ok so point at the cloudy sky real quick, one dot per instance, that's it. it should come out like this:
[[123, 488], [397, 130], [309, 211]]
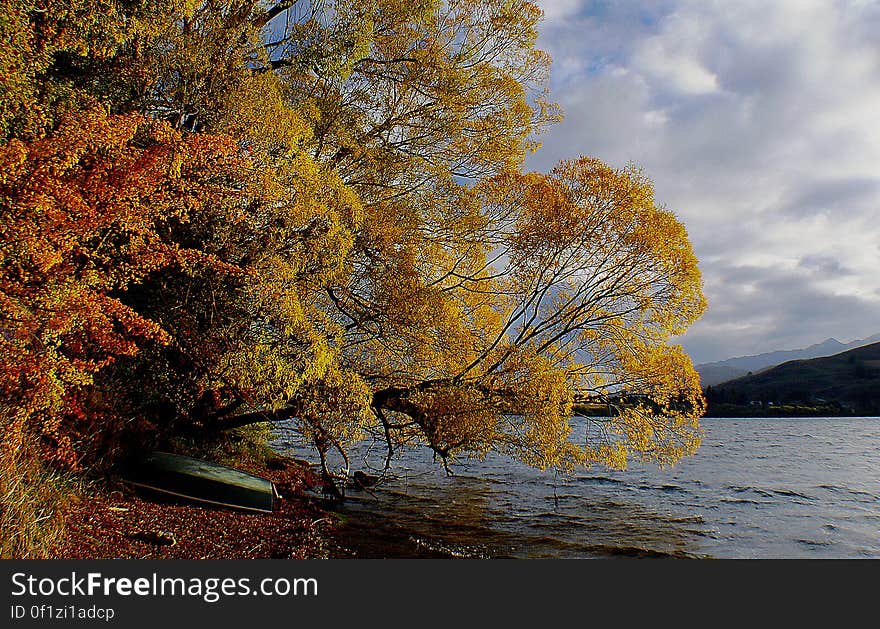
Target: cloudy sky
[[759, 122]]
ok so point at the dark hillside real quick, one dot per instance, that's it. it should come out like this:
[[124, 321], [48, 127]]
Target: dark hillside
[[848, 382]]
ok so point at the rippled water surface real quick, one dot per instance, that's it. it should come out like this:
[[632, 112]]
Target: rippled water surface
[[780, 488]]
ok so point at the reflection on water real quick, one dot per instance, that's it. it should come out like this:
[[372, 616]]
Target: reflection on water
[[756, 488]]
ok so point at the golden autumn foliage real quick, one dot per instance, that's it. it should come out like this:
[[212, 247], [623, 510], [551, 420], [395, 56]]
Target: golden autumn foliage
[[578, 285], [218, 213]]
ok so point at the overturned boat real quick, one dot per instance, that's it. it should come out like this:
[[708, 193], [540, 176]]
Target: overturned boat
[[203, 481]]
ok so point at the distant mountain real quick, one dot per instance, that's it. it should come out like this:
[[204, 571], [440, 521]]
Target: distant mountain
[[724, 370], [849, 382]]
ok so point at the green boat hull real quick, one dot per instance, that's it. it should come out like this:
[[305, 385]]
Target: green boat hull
[[204, 481]]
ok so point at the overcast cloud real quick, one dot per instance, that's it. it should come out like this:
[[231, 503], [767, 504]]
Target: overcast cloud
[[759, 122]]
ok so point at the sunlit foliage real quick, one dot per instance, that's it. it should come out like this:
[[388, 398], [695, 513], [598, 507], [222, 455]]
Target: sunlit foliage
[[86, 211], [218, 213]]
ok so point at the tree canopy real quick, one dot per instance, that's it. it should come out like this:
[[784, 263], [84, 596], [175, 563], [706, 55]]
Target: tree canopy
[[219, 213]]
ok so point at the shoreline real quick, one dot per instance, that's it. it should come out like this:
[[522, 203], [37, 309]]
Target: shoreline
[[120, 522]]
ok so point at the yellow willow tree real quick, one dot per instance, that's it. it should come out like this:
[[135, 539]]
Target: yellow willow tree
[[461, 315], [475, 318]]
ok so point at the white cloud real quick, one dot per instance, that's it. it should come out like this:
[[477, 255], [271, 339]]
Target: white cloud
[[558, 9], [672, 58], [760, 125]]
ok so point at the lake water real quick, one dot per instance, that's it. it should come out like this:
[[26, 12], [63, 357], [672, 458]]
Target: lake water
[[774, 488]]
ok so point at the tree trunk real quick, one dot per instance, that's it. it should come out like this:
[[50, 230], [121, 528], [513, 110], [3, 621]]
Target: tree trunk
[[220, 423]]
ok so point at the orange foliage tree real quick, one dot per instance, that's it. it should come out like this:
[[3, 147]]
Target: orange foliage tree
[[87, 213]]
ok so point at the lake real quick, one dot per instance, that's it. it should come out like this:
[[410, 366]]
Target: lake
[[757, 488]]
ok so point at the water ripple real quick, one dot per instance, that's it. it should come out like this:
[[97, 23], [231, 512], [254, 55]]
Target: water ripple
[[757, 488]]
